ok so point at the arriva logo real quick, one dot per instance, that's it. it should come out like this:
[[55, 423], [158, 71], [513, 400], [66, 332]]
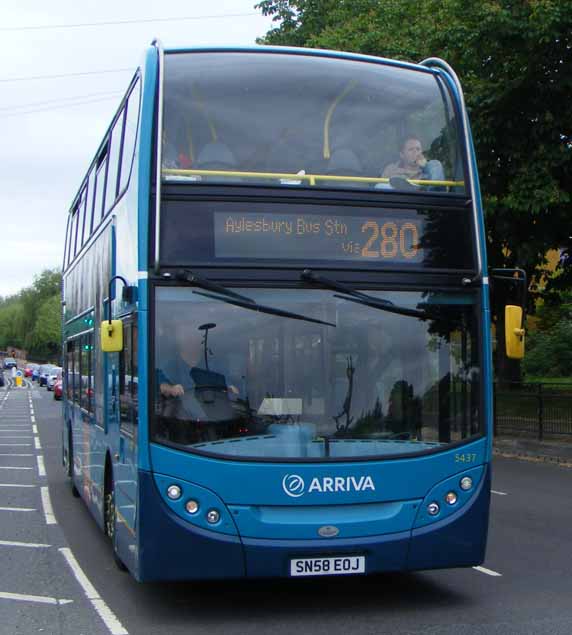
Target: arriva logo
[[294, 485]]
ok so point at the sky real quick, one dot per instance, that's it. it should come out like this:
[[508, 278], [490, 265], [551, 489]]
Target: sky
[[56, 103]]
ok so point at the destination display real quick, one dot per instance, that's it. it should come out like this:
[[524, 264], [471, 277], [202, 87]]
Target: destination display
[[278, 234], [292, 236]]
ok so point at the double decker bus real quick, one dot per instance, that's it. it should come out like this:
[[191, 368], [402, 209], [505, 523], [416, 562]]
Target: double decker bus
[[277, 350]]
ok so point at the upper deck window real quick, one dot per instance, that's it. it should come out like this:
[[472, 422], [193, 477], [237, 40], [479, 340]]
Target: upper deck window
[[308, 121]]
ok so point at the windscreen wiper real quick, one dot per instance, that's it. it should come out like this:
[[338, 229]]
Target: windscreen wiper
[[361, 298], [188, 276], [262, 308]]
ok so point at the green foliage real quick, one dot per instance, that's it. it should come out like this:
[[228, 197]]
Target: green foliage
[[31, 319], [549, 353], [513, 59]]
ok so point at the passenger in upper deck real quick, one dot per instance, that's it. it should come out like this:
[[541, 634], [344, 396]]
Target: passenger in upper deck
[[413, 164], [173, 154]]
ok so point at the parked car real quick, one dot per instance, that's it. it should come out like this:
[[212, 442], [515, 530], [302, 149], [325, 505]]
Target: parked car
[[58, 389], [53, 376], [10, 362]]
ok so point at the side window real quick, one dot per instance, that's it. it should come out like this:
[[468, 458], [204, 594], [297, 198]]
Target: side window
[[86, 369], [134, 375], [90, 225], [76, 371], [98, 211], [72, 251], [113, 165], [67, 243], [128, 369], [83, 233], [69, 371], [130, 134]]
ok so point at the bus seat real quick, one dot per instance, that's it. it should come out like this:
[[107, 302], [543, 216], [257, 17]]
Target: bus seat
[[344, 162], [216, 156]]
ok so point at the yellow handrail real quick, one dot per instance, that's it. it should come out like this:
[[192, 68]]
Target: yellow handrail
[[310, 178]]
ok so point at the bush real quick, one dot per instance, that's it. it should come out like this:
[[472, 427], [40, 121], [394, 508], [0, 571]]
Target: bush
[[549, 353]]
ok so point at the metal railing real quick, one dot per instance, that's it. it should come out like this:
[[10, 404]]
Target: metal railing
[[532, 409]]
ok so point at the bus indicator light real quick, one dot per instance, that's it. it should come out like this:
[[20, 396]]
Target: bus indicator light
[[451, 498], [192, 506]]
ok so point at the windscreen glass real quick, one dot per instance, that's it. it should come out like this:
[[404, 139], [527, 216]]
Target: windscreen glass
[[314, 374], [307, 121]]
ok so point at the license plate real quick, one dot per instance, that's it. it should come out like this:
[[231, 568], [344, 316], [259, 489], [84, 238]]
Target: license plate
[[338, 565]]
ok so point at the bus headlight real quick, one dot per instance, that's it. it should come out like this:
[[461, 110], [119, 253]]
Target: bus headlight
[[466, 483], [213, 516], [433, 509], [174, 492]]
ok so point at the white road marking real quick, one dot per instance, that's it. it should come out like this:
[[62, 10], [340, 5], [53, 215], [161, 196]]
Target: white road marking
[[41, 599], [113, 624], [33, 545], [15, 445], [499, 493], [488, 572], [16, 468], [48, 509], [15, 485], [33, 419], [10, 454], [12, 436], [37, 443], [41, 466], [17, 509], [35, 429]]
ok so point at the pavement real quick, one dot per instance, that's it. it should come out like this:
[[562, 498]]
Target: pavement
[[554, 450]]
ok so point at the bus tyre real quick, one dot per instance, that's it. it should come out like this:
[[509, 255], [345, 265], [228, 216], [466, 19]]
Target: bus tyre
[[74, 490], [109, 519]]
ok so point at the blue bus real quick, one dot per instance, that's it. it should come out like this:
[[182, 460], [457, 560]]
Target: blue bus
[[276, 319]]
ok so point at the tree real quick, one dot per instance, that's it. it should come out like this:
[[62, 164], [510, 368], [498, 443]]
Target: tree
[[31, 319], [515, 63]]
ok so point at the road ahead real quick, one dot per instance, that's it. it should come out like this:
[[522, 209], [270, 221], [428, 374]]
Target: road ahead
[[58, 578]]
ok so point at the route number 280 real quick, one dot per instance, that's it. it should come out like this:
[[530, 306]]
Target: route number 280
[[390, 240]]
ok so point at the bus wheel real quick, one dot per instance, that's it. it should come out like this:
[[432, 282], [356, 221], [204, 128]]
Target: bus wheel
[[74, 489], [109, 518]]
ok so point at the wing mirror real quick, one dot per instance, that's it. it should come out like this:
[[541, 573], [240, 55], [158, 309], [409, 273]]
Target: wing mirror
[[111, 331], [513, 331], [513, 313]]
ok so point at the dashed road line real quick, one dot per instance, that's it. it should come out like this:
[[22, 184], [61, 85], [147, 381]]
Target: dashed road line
[[41, 599], [17, 509], [15, 445], [47, 505], [37, 443], [15, 468], [110, 620], [499, 493], [10, 454], [41, 466], [31, 545], [15, 485]]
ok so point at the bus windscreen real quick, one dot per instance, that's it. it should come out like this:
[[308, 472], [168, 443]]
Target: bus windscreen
[[308, 121]]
